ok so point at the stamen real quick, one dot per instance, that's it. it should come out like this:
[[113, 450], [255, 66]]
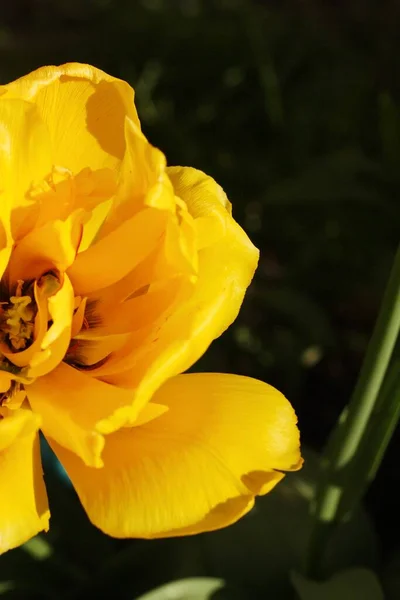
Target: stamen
[[19, 321], [17, 316]]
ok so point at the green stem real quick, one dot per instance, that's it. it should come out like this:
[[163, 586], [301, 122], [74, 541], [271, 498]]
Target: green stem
[[390, 420], [336, 480]]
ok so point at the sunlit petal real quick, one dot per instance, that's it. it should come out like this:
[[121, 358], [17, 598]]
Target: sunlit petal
[[196, 467]]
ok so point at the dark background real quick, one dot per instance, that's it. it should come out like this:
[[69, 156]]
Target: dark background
[[293, 108]]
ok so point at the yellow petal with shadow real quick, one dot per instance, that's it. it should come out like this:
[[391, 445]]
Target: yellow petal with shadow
[[143, 181], [21, 164], [5, 381], [143, 310], [225, 270], [113, 256], [24, 508], [76, 410], [155, 270], [5, 254], [52, 246], [91, 347], [84, 110], [195, 468], [206, 202], [61, 306], [63, 193], [78, 317]]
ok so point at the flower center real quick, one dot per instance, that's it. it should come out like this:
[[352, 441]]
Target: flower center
[[17, 319], [25, 320]]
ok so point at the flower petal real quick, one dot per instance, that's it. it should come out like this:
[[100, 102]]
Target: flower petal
[[227, 265], [56, 340], [196, 467], [141, 310], [143, 180], [206, 201], [52, 246], [84, 110], [5, 254], [77, 409], [225, 270], [113, 256], [21, 164], [23, 500]]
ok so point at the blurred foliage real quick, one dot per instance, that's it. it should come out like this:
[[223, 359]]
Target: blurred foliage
[[293, 106], [354, 584]]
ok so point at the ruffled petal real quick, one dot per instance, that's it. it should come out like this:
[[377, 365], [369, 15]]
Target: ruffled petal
[[23, 500], [226, 267], [86, 196], [52, 246], [198, 466]]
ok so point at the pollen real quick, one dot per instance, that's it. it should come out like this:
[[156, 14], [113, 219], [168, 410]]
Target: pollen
[[18, 321]]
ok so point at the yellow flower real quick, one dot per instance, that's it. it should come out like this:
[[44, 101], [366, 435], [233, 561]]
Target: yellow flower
[[117, 272]]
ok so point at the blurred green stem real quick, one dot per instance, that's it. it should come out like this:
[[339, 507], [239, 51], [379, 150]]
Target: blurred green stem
[[345, 466]]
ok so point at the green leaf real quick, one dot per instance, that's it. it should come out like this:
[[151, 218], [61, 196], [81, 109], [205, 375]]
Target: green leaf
[[197, 588], [353, 584], [382, 425], [359, 440]]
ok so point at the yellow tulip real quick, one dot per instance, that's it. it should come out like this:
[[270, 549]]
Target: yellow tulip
[[117, 272]]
